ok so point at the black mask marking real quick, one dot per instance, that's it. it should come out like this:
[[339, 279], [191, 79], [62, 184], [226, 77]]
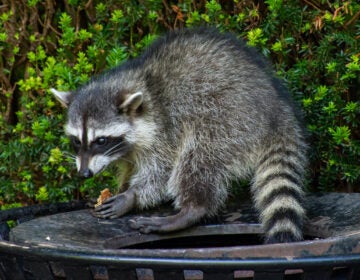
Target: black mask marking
[[108, 146]]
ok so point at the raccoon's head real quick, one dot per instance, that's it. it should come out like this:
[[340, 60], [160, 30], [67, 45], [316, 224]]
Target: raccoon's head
[[102, 127]]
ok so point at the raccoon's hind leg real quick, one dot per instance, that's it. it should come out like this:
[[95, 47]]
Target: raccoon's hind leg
[[198, 188], [195, 203], [185, 218], [278, 192]]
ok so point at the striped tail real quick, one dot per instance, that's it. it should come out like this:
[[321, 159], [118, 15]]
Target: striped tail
[[278, 192]]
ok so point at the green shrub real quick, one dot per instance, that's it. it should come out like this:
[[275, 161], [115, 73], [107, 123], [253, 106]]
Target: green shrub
[[314, 48]]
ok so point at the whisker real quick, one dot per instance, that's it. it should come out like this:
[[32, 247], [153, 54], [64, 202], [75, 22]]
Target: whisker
[[120, 149], [69, 155], [115, 149], [111, 150]]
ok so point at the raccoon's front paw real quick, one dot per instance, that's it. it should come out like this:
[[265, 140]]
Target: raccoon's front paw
[[115, 206]]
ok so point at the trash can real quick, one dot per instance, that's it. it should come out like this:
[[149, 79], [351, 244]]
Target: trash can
[[229, 248]]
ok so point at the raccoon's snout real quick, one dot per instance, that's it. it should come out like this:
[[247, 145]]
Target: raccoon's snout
[[88, 166], [86, 173]]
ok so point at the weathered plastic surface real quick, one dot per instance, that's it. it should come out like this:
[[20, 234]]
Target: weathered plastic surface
[[38, 250]]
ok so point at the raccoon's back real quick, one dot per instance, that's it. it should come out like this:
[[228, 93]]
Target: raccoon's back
[[204, 61], [211, 79]]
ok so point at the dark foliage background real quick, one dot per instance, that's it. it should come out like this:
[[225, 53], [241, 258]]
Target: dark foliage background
[[313, 44]]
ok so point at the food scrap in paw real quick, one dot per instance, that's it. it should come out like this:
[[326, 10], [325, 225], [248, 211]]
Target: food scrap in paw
[[104, 194]]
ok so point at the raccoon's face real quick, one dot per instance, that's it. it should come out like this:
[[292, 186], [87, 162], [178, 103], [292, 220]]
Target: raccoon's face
[[96, 148], [99, 133]]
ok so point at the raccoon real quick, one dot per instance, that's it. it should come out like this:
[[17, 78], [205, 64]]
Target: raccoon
[[197, 110]]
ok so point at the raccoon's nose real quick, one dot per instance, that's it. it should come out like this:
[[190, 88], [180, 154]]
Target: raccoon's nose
[[86, 173]]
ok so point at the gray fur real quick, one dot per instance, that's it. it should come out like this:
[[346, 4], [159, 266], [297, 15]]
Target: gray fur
[[210, 112]]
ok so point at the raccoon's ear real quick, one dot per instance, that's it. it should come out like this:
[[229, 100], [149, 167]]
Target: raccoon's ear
[[63, 96], [132, 102]]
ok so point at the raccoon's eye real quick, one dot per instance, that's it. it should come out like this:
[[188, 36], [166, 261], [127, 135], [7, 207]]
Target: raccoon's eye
[[75, 143], [101, 141]]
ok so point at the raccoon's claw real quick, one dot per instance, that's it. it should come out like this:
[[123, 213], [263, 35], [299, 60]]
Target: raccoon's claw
[[115, 206], [105, 213]]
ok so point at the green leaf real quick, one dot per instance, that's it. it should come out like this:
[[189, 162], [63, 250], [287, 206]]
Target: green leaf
[[340, 134], [256, 37], [116, 56], [42, 194], [55, 156], [117, 16], [321, 92]]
